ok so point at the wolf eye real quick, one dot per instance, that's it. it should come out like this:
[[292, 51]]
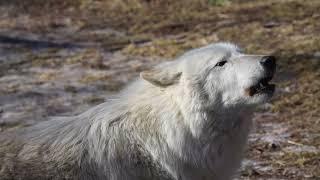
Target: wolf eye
[[221, 63]]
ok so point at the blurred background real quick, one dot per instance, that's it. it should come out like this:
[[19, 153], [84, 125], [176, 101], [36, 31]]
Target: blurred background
[[60, 57]]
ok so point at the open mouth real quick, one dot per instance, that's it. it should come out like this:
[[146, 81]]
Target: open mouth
[[262, 87]]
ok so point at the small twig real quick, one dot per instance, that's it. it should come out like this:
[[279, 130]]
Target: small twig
[[294, 143]]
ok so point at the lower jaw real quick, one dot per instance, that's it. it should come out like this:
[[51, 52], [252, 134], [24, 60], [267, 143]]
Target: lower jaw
[[253, 91], [269, 93]]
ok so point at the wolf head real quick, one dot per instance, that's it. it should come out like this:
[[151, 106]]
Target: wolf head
[[220, 75]]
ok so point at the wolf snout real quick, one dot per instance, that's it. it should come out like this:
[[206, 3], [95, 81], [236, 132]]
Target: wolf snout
[[269, 63]]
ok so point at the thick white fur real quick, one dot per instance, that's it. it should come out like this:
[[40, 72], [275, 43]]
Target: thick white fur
[[185, 119]]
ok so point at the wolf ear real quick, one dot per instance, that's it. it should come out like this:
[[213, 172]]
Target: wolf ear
[[161, 77]]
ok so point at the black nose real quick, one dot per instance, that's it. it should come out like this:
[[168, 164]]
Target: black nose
[[268, 62]]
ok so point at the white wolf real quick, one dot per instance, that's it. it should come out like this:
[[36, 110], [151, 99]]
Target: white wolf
[[182, 120]]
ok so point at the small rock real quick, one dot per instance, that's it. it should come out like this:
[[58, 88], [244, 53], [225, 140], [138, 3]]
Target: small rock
[[287, 89], [317, 54], [271, 24], [273, 146]]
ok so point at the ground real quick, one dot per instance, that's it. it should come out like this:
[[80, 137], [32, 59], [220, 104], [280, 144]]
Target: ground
[[62, 57]]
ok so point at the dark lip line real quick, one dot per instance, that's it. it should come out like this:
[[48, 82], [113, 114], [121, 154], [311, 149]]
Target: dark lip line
[[253, 90], [266, 78]]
